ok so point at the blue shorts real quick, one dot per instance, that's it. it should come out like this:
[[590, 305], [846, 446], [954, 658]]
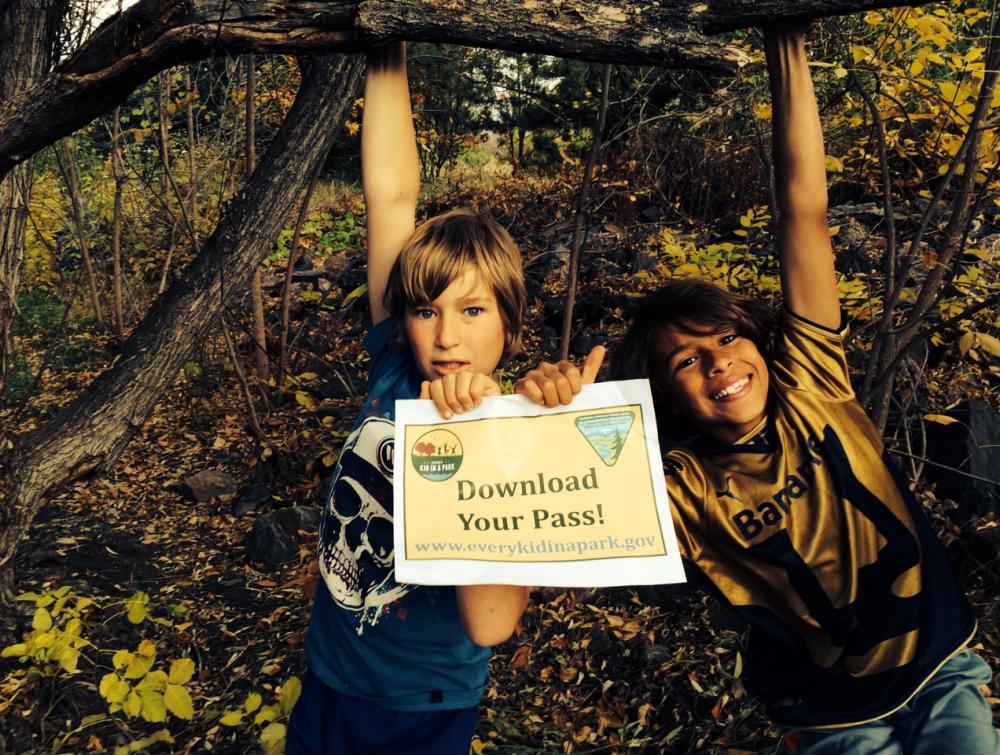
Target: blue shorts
[[325, 722], [948, 716]]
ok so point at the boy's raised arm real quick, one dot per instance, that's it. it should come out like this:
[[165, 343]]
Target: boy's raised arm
[[390, 168], [808, 280]]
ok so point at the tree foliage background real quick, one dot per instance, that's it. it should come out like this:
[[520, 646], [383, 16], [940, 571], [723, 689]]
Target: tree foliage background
[[142, 621]]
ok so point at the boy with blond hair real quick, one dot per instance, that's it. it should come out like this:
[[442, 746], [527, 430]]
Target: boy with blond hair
[[396, 668]]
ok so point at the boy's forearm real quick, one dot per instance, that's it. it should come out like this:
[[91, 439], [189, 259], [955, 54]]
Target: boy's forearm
[[489, 613], [799, 157], [390, 168], [808, 279], [389, 160]]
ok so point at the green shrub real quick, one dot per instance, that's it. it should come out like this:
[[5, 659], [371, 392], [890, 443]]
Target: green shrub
[[41, 312], [20, 378]]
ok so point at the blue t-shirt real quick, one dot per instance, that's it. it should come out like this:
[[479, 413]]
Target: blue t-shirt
[[399, 646]]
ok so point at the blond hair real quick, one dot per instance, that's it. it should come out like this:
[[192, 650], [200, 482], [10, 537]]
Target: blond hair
[[441, 250]]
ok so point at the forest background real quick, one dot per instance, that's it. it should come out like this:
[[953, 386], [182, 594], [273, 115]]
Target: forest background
[[161, 603]]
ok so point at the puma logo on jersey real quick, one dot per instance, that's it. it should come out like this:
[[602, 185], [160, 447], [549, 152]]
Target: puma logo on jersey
[[728, 492]]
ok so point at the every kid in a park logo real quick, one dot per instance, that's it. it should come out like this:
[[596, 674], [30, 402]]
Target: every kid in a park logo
[[510, 493], [437, 455]]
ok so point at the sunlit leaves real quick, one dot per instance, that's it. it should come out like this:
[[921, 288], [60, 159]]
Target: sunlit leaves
[[54, 643], [137, 607], [267, 717]]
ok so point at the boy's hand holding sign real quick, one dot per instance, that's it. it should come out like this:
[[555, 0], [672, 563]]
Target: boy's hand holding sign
[[520, 494]]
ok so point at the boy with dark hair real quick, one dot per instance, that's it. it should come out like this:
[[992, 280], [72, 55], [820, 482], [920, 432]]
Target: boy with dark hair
[[785, 499]]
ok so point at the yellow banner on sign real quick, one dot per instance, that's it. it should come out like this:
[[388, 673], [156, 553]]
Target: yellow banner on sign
[[566, 486]]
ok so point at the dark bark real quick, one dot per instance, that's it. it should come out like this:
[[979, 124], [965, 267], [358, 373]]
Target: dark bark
[[92, 431], [133, 46], [27, 31]]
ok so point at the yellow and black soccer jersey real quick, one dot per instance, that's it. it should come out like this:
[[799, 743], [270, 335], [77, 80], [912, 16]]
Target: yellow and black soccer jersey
[[809, 534]]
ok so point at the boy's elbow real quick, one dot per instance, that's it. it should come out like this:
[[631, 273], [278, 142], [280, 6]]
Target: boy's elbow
[[806, 203], [488, 636], [391, 193], [489, 613]]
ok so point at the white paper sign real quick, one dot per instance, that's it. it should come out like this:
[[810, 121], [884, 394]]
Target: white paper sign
[[514, 493]]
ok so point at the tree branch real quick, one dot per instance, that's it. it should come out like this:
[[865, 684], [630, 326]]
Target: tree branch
[[132, 46], [96, 426]]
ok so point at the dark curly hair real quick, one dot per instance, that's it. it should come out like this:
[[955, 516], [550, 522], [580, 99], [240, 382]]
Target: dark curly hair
[[693, 306]]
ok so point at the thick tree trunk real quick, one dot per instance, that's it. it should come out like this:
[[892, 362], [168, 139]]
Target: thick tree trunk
[[27, 28], [151, 35], [93, 430]]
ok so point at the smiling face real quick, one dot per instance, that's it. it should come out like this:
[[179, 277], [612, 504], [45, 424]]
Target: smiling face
[[718, 380], [461, 330]]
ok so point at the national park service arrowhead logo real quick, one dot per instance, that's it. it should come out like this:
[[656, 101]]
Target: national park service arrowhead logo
[[606, 433], [437, 455]]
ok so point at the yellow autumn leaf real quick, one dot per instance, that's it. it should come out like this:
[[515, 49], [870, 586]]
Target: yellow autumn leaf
[[153, 707], [949, 90], [138, 666], [860, 52], [146, 648], [178, 701], [121, 659], [989, 343], [68, 658], [181, 671], [965, 342], [42, 620], [232, 718], [941, 419], [132, 704], [289, 694], [253, 702], [272, 735], [266, 715], [113, 688]]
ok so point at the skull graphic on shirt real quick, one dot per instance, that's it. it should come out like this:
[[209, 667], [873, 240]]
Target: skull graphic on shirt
[[356, 546]]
